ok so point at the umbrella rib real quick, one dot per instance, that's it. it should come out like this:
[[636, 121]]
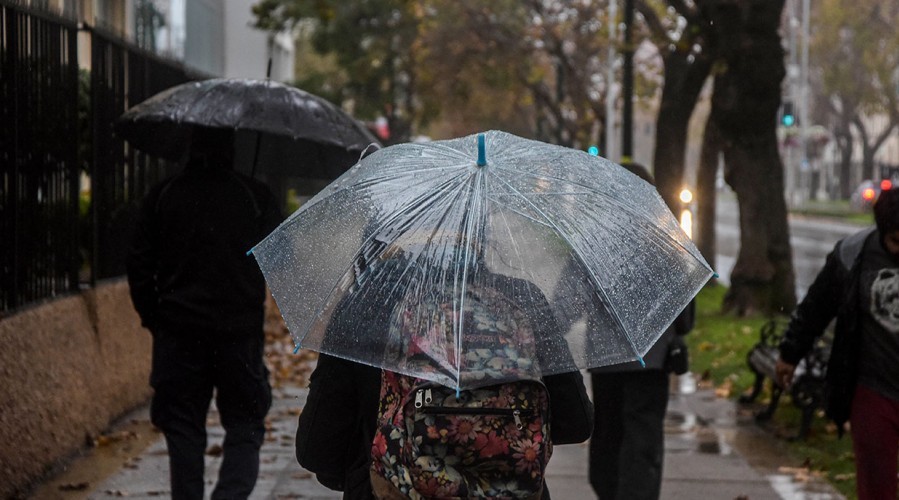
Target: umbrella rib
[[294, 218], [519, 212], [401, 212], [590, 189], [627, 208], [545, 177], [471, 215], [577, 251], [653, 228]]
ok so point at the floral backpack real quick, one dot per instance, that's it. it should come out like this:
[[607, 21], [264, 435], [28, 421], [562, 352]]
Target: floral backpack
[[488, 442]]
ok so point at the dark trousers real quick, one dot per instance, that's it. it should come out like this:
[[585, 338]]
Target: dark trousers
[[875, 441], [187, 367], [628, 443]]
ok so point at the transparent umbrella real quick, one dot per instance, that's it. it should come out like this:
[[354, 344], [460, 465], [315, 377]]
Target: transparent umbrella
[[433, 234]]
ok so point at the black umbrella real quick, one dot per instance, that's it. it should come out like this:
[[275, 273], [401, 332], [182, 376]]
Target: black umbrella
[[288, 123]]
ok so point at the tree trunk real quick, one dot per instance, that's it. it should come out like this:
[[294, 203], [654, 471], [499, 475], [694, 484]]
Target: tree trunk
[[747, 100], [845, 145], [872, 171], [683, 83], [706, 192]]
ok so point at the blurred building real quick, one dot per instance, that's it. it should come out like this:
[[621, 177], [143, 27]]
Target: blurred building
[[212, 37]]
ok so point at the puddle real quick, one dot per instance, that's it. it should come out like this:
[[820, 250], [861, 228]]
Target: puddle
[[789, 489], [699, 422]]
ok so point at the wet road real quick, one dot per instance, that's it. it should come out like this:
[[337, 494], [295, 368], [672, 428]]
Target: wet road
[[811, 239]]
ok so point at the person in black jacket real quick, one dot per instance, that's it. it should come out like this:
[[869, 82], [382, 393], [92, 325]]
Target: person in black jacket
[[859, 285], [627, 449], [338, 422], [202, 298]]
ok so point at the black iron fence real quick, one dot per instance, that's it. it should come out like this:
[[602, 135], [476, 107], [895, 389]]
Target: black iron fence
[[68, 187], [121, 76], [39, 205]]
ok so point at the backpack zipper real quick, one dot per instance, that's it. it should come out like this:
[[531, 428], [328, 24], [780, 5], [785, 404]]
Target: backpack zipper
[[423, 396]]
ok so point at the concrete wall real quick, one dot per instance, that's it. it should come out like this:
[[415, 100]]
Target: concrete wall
[[68, 368]]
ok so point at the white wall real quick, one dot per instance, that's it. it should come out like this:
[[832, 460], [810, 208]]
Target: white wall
[[246, 48], [204, 34]]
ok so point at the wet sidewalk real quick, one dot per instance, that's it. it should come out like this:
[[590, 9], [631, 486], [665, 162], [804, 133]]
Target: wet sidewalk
[[713, 451]]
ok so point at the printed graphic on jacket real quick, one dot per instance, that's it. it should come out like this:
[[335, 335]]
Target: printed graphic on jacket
[[491, 441], [885, 299]]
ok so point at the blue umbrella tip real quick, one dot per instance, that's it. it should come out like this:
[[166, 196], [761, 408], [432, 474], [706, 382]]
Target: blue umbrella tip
[[715, 275], [482, 150], [296, 349], [642, 363]]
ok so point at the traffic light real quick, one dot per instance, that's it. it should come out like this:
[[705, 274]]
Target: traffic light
[[787, 118]]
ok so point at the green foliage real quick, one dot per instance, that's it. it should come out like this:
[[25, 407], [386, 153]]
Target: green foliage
[[720, 342], [837, 209], [374, 50], [532, 68], [830, 456]]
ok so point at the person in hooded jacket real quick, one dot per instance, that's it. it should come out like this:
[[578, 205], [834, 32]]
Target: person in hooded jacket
[[859, 286], [338, 423], [202, 298]]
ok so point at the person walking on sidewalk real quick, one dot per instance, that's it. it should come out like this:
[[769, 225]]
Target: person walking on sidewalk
[[859, 285], [202, 298], [345, 411], [627, 447]]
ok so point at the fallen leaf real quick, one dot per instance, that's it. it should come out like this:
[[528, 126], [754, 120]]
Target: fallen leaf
[[107, 439], [724, 390], [74, 486]]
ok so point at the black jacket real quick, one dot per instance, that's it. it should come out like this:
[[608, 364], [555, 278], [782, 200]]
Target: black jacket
[[337, 425], [834, 293], [188, 263]]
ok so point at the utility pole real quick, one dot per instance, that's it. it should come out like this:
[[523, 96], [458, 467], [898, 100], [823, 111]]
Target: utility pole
[[627, 86], [792, 165], [610, 79], [803, 98]]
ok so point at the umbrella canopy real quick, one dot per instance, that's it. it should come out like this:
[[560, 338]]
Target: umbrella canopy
[[569, 244], [284, 115]]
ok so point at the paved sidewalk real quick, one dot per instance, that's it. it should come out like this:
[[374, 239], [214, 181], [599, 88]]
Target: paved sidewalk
[[704, 439]]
